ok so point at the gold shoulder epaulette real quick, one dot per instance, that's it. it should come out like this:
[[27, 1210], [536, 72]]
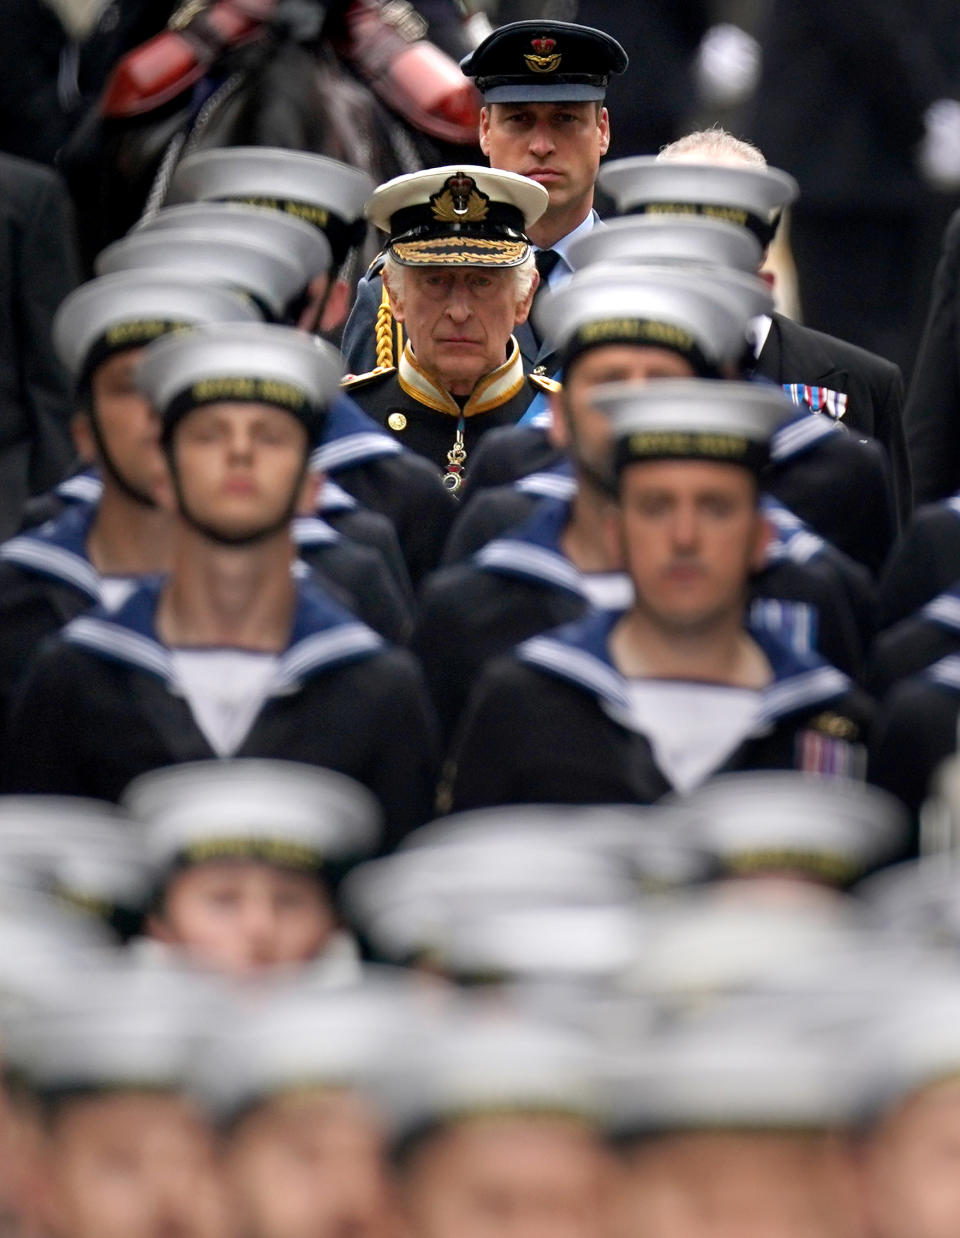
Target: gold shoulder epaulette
[[361, 380], [544, 383]]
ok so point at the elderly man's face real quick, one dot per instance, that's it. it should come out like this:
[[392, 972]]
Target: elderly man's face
[[459, 320]]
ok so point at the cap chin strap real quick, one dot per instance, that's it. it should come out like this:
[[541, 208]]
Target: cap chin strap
[[132, 492]]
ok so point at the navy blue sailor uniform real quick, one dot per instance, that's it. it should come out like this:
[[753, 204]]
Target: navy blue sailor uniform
[[552, 724], [521, 583], [917, 642], [375, 468], [916, 730], [105, 701], [924, 563]]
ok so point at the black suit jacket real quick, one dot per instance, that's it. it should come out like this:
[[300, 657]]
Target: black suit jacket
[[38, 267], [932, 414], [873, 386]]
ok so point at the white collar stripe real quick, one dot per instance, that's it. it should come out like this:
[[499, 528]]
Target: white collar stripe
[[111, 638], [945, 609], [576, 665], [547, 485], [947, 671], [807, 688], [326, 648], [32, 552], [353, 449], [533, 560], [798, 435]]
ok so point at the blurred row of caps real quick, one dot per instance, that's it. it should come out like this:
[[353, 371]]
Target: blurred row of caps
[[717, 960], [255, 233]]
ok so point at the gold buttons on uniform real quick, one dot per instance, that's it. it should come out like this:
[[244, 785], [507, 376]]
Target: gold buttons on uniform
[[397, 421]]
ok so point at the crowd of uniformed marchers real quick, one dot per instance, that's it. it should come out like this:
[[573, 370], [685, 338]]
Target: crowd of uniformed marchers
[[505, 791]]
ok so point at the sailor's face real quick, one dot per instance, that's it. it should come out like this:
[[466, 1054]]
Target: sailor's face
[[526, 1177], [240, 467], [126, 422], [308, 1165], [130, 1165], [911, 1167], [459, 320], [579, 426], [240, 916], [691, 536]]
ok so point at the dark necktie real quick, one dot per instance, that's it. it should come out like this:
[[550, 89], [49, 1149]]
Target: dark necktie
[[545, 260]]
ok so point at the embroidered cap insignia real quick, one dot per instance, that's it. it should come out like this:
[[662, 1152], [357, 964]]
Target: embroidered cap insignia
[[543, 59], [459, 201]]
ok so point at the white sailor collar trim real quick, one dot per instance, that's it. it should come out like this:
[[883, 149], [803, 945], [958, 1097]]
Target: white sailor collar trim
[[58, 551], [793, 541], [944, 610], [533, 551], [946, 672], [579, 653], [492, 391], [800, 435], [558, 483], [323, 637], [351, 437]]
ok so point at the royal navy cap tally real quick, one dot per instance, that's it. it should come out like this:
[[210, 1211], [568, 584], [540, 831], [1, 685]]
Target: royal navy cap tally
[[833, 830], [256, 363], [279, 812], [231, 221], [666, 238], [544, 62], [259, 269], [324, 192], [459, 215], [693, 419], [131, 308], [693, 312], [750, 197]]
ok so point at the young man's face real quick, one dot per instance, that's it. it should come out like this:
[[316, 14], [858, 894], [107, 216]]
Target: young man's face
[[577, 424], [559, 145], [308, 1165], [127, 424], [459, 320], [691, 535], [525, 1177], [240, 468], [239, 916], [130, 1165], [911, 1168]]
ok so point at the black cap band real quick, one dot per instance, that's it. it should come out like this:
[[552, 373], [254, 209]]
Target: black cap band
[[715, 447], [643, 333], [764, 230], [343, 236]]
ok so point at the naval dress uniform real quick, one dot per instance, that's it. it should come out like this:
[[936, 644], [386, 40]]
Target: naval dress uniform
[[429, 421], [917, 642], [105, 702], [521, 583], [553, 723], [924, 563]]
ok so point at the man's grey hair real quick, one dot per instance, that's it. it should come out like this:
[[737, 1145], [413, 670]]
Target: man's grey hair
[[394, 275], [714, 145]]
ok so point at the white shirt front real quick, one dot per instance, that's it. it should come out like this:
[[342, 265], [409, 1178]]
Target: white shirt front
[[608, 590], [692, 727], [225, 689], [114, 590], [563, 270]]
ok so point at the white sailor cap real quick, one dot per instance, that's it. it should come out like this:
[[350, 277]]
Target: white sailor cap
[[121, 1027], [82, 850], [459, 215], [701, 314], [746, 196], [279, 812], [323, 192], [405, 904], [918, 899], [667, 238], [693, 419], [131, 308], [345, 1038], [232, 221], [479, 1062], [258, 269], [834, 830], [242, 362], [730, 1069]]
